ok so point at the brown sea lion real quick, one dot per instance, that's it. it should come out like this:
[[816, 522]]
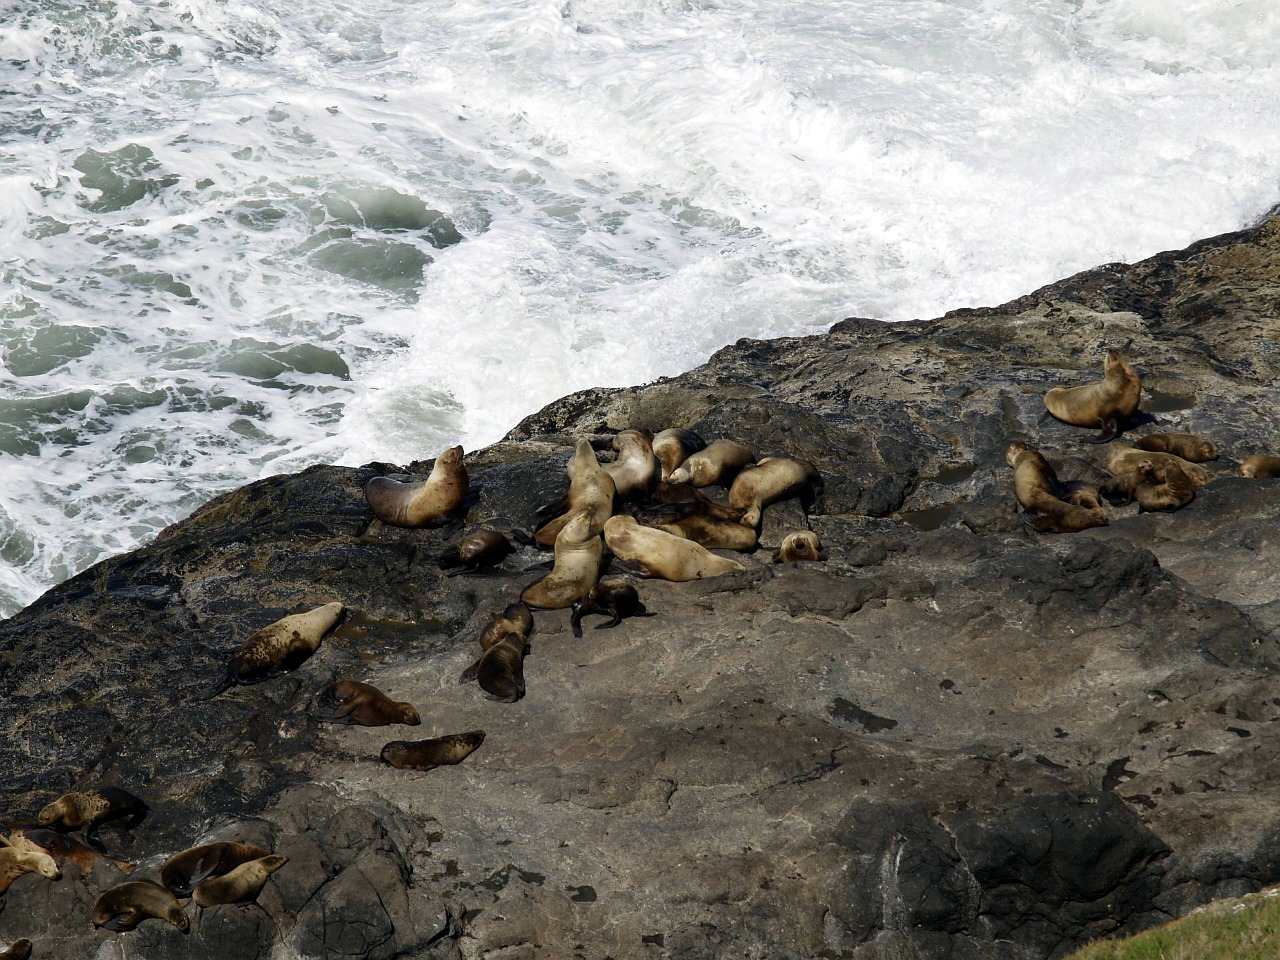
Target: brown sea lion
[[14, 863], [1185, 445], [718, 463], [711, 533], [579, 554], [1260, 466], [18, 950], [279, 647], [1037, 488], [1107, 404], [656, 553], [1156, 486], [90, 810], [516, 618], [61, 847], [422, 503], [673, 447], [125, 906], [240, 885], [1081, 494], [349, 701], [770, 480], [500, 669], [591, 489], [1123, 459], [475, 551], [636, 470], [186, 870], [612, 598], [801, 545], [429, 754]]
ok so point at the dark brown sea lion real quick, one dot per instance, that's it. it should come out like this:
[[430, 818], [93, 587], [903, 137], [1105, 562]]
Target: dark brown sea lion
[[1156, 486], [611, 598], [429, 754], [1260, 466], [500, 669], [14, 863], [673, 447], [436, 500], [1107, 404], [718, 463], [703, 523], [1123, 459], [516, 618], [1037, 488], [801, 545], [61, 847], [475, 551], [186, 870], [591, 489], [240, 885], [636, 470], [125, 906], [279, 647], [579, 554], [1185, 445], [18, 950], [656, 553], [770, 480], [349, 701], [73, 811]]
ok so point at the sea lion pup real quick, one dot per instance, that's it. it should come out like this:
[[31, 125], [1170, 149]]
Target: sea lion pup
[[421, 503], [279, 647], [1036, 486], [612, 598], [636, 469], [1156, 486], [186, 870], [770, 480], [1261, 466], [591, 489], [673, 447], [240, 885], [1123, 459], [656, 553], [429, 754], [349, 701], [90, 810], [14, 863], [1108, 404], [125, 906], [1185, 445], [500, 669], [718, 463], [61, 847], [579, 554], [475, 551], [801, 545], [18, 950], [516, 618]]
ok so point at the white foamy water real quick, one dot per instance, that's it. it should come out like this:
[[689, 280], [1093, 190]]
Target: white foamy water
[[242, 236]]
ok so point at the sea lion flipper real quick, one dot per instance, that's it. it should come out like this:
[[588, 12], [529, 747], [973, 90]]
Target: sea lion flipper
[[549, 511], [1036, 521], [617, 619], [1110, 430], [575, 618], [92, 839]]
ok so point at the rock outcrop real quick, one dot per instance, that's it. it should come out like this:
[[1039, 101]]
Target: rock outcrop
[[956, 738]]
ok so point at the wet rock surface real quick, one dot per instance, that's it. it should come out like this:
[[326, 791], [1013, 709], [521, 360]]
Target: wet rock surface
[[956, 738]]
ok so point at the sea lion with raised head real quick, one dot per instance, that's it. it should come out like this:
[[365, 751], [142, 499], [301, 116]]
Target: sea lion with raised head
[[771, 480], [718, 463], [500, 669], [349, 701], [1156, 486], [656, 553], [635, 471], [1261, 466], [187, 869], [279, 647], [434, 501], [673, 447], [516, 618], [1107, 404], [1185, 445], [1038, 490], [18, 950], [611, 598], [90, 810], [477, 550], [240, 885], [14, 863], [801, 545], [61, 847], [1124, 459], [591, 489], [125, 906], [429, 754], [579, 554]]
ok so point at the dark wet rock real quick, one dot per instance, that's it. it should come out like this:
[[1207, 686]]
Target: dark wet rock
[[954, 739]]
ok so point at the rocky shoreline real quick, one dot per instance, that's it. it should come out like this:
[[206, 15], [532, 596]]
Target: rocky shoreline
[[956, 738]]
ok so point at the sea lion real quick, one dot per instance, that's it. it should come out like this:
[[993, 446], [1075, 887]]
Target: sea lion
[[1123, 459], [429, 754], [1261, 466], [125, 906], [636, 469], [1037, 488], [656, 553], [279, 647], [18, 950], [240, 885], [422, 503], [1081, 494], [681, 499], [673, 447], [14, 863], [475, 551], [61, 847], [186, 870], [516, 618], [1185, 445], [73, 811], [349, 701], [591, 489], [579, 553], [710, 532], [770, 480], [500, 669], [801, 545], [1156, 486], [717, 463], [1107, 404], [612, 598]]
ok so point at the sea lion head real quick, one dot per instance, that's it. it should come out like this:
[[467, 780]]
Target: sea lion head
[[1016, 449]]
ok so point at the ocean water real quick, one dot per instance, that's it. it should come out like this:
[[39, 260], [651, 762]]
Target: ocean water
[[242, 236]]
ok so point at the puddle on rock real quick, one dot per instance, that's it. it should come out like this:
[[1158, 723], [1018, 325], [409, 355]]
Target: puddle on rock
[[843, 709], [930, 519], [1161, 402]]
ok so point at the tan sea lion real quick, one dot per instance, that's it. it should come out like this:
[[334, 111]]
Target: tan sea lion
[[61, 847], [186, 870], [475, 551], [1123, 459], [240, 885], [719, 462], [90, 810], [591, 489], [500, 669], [349, 701], [656, 553], [1107, 404], [1081, 494], [1260, 466], [14, 863], [770, 480], [1156, 486], [1185, 445], [125, 906], [636, 470], [579, 554], [613, 598], [429, 754], [1037, 488], [801, 545], [279, 647], [422, 503], [18, 950], [673, 447], [516, 618]]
